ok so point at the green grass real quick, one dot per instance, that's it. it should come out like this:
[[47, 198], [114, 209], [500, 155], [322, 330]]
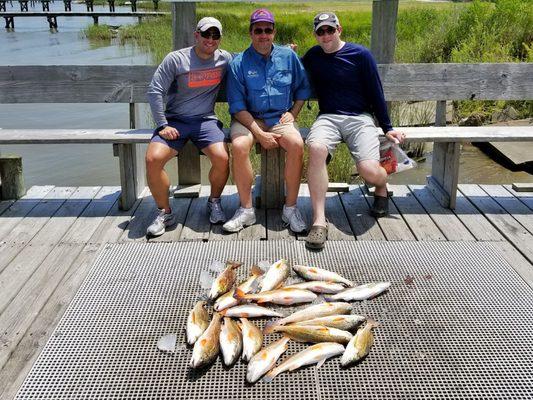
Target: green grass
[[496, 31]]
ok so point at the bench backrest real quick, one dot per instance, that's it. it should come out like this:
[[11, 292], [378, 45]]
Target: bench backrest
[[128, 83]]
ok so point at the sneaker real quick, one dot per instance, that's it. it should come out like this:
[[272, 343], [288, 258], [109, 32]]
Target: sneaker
[[380, 208], [243, 217], [293, 218], [215, 211], [161, 222]]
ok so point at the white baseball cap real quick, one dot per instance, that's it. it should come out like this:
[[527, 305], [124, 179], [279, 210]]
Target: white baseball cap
[[209, 22]]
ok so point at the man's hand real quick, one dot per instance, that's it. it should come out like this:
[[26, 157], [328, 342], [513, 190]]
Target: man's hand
[[169, 133], [269, 140], [395, 136], [286, 118]]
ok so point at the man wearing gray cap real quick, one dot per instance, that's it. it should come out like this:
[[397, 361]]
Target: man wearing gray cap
[[350, 95], [190, 79]]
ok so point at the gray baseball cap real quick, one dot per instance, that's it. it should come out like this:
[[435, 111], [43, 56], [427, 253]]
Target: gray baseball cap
[[208, 22], [325, 18]]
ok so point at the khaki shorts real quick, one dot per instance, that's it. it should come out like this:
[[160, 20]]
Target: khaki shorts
[[359, 132], [238, 129]]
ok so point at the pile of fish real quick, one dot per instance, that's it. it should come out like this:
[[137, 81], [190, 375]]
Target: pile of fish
[[328, 324]]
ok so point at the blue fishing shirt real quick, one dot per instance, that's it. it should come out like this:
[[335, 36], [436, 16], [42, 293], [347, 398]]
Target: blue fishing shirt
[[266, 87], [347, 82]]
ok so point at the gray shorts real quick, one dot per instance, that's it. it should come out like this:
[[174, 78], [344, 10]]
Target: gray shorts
[[359, 132]]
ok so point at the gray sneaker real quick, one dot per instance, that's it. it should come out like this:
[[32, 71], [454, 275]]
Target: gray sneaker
[[215, 211], [240, 220], [293, 218], [161, 222]]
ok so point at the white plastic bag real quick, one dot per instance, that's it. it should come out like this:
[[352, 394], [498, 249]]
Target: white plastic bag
[[393, 158]]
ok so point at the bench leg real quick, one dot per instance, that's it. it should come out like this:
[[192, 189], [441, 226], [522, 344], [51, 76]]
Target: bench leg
[[11, 177], [445, 173], [189, 172], [132, 175], [272, 179]]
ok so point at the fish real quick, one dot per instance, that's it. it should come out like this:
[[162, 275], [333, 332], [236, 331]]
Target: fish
[[207, 346], [275, 276], [314, 333], [249, 311], [318, 310], [224, 282], [360, 293], [319, 286], [264, 360], [319, 274], [344, 322], [228, 299], [279, 296], [251, 284], [197, 322], [360, 344], [230, 341], [252, 339], [316, 354]]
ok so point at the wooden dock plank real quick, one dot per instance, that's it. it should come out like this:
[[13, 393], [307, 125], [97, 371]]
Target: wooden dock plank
[[511, 204], [21, 208], [364, 226], [180, 206], [509, 227], [114, 224], [444, 218], [5, 204], [30, 225], [474, 220], [26, 305], [197, 225], [141, 219], [393, 226], [524, 197], [520, 264], [415, 215], [16, 273]]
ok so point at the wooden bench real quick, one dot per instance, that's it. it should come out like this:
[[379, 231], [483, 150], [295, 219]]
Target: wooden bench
[[402, 82]]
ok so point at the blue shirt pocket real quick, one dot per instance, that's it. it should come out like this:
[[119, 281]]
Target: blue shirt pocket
[[257, 99], [281, 90]]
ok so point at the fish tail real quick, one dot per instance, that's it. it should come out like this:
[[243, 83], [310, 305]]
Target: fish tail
[[269, 376], [256, 271], [329, 298], [372, 323], [234, 264], [223, 312], [270, 327]]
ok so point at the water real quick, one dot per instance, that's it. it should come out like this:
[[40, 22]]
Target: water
[[32, 43]]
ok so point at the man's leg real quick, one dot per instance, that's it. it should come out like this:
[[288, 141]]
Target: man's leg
[[219, 172], [242, 167], [373, 173], [317, 177], [292, 143], [157, 155]]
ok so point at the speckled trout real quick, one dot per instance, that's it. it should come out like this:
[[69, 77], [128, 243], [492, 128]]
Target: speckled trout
[[197, 322], [318, 310], [319, 274], [315, 354], [360, 344], [360, 293]]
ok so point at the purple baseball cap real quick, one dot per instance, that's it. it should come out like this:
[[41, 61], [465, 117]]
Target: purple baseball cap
[[261, 15]]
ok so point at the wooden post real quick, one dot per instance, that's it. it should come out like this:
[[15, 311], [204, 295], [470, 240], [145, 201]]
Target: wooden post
[[383, 36], [183, 26], [272, 190], [11, 177]]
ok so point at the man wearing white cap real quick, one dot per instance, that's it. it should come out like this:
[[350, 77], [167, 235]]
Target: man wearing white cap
[[350, 95], [190, 78]]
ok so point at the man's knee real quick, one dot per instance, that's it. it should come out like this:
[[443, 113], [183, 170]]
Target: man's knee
[[220, 159], [371, 171], [156, 158], [294, 146], [317, 152], [241, 147]]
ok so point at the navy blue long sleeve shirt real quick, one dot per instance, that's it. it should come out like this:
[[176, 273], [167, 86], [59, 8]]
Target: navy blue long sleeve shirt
[[347, 82]]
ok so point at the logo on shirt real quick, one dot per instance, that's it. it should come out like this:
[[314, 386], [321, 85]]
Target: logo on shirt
[[253, 73], [205, 78]]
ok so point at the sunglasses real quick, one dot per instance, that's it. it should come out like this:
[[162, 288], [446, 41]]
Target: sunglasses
[[259, 31], [329, 30], [210, 35]]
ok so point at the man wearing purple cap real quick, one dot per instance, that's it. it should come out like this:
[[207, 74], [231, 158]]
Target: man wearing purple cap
[[266, 88], [346, 80], [190, 79]]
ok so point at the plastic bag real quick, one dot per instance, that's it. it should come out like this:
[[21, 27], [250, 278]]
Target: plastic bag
[[393, 158]]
